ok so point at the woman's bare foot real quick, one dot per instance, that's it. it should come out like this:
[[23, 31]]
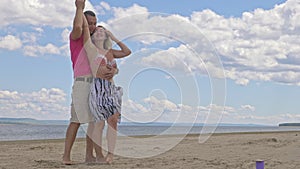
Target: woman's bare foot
[[90, 159], [67, 162], [100, 160], [109, 158]]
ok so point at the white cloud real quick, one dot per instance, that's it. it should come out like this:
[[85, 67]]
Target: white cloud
[[42, 104], [39, 30], [145, 27], [135, 9], [10, 42], [248, 107], [54, 13], [36, 15], [30, 37], [262, 45], [36, 50], [51, 104], [258, 46], [266, 120], [103, 8], [65, 35], [33, 49], [242, 81], [65, 50], [152, 109], [105, 5], [171, 58], [155, 110]]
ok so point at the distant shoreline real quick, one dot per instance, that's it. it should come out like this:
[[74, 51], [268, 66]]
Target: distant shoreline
[[148, 136], [289, 124]]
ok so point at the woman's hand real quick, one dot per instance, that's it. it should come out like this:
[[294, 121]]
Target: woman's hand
[[109, 34]]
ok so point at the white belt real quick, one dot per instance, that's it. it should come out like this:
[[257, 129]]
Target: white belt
[[84, 79]]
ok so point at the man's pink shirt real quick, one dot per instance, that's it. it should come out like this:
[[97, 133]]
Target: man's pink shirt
[[80, 63]]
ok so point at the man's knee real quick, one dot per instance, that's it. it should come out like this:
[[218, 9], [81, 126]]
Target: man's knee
[[114, 119], [74, 124]]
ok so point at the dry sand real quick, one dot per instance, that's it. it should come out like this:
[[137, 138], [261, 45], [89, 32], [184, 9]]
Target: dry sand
[[279, 150]]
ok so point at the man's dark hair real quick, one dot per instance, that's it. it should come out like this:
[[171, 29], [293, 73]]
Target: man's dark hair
[[91, 13]]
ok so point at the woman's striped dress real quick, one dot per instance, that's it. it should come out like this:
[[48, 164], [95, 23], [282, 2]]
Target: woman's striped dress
[[105, 99]]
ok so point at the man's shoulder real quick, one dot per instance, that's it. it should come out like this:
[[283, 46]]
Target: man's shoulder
[[75, 39], [78, 41]]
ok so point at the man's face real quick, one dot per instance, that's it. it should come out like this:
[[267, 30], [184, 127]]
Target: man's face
[[92, 21]]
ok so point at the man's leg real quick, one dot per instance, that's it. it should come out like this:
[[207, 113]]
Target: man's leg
[[69, 141], [89, 157], [111, 136]]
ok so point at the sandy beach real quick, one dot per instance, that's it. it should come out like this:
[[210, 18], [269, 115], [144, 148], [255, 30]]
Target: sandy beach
[[279, 150]]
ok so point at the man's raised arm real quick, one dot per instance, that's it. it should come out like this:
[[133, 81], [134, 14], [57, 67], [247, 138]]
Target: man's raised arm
[[77, 22]]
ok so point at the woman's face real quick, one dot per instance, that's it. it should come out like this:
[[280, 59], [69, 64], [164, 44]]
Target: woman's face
[[99, 34]]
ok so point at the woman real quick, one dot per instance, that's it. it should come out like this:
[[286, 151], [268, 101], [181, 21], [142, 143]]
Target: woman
[[105, 97]]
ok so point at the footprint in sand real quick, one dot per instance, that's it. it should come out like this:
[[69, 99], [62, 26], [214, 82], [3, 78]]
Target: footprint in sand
[[48, 164], [37, 148]]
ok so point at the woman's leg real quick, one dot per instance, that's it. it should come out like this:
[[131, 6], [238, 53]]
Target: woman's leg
[[111, 136], [97, 138]]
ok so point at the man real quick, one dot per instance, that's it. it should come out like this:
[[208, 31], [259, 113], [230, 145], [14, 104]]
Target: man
[[80, 112]]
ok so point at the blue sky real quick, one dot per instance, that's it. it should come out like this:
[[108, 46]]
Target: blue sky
[[193, 61]]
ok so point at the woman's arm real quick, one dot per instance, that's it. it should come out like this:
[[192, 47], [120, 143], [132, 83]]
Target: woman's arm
[[86, 31], [89, 47], [125, 51]]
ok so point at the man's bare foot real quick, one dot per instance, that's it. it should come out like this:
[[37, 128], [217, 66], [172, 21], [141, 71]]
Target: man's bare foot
[[66, 160], [69, 162], [90, 159], [109, 158]]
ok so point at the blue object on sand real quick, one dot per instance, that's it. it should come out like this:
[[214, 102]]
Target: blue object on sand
[[260, 164]]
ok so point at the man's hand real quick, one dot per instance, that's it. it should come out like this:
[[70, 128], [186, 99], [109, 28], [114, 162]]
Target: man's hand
[[80, 4], [106, 72]]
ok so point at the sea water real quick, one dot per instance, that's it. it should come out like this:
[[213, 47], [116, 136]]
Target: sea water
[[38, 132]]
